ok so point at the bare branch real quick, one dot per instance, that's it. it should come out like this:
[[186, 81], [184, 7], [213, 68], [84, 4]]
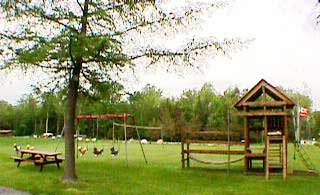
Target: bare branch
[[80, 6]]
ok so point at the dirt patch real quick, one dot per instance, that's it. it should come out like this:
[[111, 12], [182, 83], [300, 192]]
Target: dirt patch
[[10, 191]]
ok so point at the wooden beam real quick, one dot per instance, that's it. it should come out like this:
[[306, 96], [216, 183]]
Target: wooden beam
[[103, 116], [218, 142], [231, 152], [263, 113], [212, 133], [262, 104], [138, 127]]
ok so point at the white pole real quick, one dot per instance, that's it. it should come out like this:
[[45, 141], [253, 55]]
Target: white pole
[[47, 122]]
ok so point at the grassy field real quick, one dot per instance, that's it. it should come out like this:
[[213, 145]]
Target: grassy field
[[162, 174]]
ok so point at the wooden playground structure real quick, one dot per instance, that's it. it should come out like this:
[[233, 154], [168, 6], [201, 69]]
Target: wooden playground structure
[[264, 109], [188, 138]]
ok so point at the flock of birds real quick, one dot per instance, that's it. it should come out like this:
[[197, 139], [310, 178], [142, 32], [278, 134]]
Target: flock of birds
[[17, 147], [84, 149]]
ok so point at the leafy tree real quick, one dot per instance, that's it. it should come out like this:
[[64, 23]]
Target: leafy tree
[[186, 103], [89, 41], [145, 105], [315, 118], [6, 119], [25, 116], [301, 100]]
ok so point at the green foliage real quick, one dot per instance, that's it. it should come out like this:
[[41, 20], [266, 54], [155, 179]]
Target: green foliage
[[315, 124], [195, 109], [97, 36]]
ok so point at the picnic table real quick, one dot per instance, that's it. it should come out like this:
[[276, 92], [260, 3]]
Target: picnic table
[[39, 158]]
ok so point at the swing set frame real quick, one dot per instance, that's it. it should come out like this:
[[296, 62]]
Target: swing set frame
[[124, 117]]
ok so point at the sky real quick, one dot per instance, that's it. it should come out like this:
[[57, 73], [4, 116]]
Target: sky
[[284, 51]]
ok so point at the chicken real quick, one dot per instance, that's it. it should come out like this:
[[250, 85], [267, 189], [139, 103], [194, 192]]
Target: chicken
[[94, 139], [160, 141], [130, 140], [114, 151], [97, 152], [144, 141], [82, 150], [16, 147], [29, 147]]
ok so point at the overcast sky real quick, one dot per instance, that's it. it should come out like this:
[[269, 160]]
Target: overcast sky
[[285, 52]]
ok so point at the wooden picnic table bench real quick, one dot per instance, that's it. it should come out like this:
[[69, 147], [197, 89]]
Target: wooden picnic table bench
[[39, 158]]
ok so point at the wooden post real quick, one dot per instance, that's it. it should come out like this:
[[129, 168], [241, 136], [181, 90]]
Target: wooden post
[[182, 154], [246, 144], [267, 158], [267, 140], [188, 155], [285, 146], [284, 141], [265, 117]]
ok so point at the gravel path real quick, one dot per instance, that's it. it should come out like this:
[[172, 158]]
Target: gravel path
[[10, 191]]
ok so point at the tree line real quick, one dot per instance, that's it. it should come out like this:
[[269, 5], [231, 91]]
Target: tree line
[[203, 109]]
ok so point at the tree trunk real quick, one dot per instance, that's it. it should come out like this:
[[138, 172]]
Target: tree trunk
[[70, 112], [69, 126]]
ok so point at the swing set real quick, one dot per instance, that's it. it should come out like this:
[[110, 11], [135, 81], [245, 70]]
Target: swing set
[[96, 117], [124, 117], [136, 127]]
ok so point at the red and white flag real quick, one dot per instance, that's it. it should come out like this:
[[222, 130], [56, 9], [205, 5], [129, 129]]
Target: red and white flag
[[304, 112]]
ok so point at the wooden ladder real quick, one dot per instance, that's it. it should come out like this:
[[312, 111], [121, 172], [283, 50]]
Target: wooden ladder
[[276, 154]]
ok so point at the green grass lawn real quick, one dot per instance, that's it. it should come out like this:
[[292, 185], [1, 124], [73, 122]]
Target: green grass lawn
[[162, 174]]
